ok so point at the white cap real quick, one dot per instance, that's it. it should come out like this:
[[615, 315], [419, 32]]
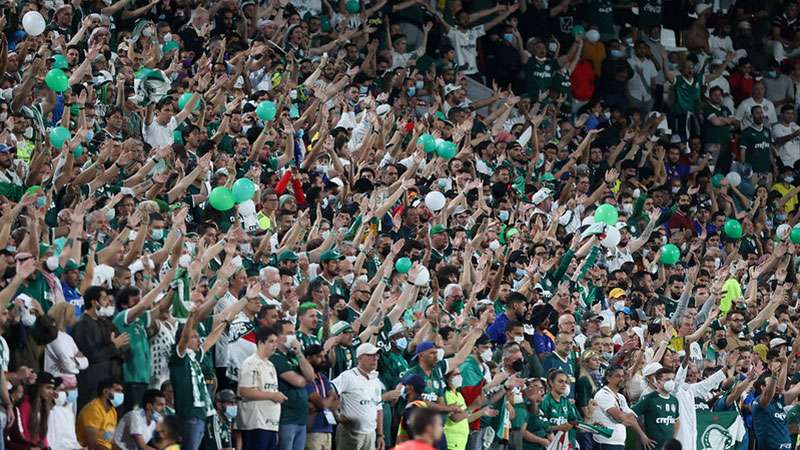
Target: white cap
[[651, 368], [397, 328], [774, 342], [366, 349], [540, 195], [450, 88], [700, 8]]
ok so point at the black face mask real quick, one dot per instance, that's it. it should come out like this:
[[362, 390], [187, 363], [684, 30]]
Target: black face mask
[[722, 343], [323, 367], [384, 250], [341, 314], [517, 365]]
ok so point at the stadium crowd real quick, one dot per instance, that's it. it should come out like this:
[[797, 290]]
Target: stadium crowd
[[412, 224]]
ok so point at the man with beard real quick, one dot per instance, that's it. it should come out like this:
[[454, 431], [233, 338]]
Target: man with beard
[[8, 174], [756, 144], [612, 411], [329, 263], [322, 399], [307, 324]]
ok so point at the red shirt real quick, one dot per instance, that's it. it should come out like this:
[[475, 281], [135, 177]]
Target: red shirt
[[414, 445]]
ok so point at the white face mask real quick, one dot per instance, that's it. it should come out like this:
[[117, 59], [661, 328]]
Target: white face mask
[[28, 133], [274, 290], [105, 311], [110, 214], [52, 263], [184, 261], [439, 354], [290, 340], [519, 339], [669, 385], [246, 249], [27, 319], [351, 259], [191, 247], [782, 327], [567, 390], [486, 355], [457, 381], [348, 278]]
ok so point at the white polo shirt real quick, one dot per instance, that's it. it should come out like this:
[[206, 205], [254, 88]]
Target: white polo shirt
[[607, 399], [158, 135], [360, 397], [789, 152]]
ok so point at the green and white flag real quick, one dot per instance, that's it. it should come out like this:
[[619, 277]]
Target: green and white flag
[[719, 430]]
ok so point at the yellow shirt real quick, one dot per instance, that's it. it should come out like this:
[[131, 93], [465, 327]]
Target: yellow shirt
[[783, 189], [99, 416], [457, 433]]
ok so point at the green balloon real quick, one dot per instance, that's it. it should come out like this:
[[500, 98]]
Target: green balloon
[[352, 6], [794, 236], [402, 265], [578, 30], [732, 229], [221, 198], [57, 80], [243, 190], [428, 142], [58, 136], [670, 254], [607, 214], [446, 150], [177, 136], [184, 99], [78, 151], [266, 110], [716, 180]]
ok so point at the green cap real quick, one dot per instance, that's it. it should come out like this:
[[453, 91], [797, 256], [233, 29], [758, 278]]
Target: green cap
[[169, 46], [59, 62], [43, 248], [330, 255], [438, 228], [340, 327], [71, 265], [307, 306], [287, 255], [548, 177]]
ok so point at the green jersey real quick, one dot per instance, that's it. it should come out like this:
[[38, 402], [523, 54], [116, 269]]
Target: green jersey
[[306, 340], [538, 426], [660, 414], [295, 409], [559, 412], [218, 433], [716, 134], [136, 368], [434, 383], [540, 75], [687, 94], [772, 430], [390, 365], [756, 144]]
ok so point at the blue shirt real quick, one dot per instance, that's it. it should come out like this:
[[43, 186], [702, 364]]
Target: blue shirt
[[321, 386], [73, 297], [542, 343], [497, 330]]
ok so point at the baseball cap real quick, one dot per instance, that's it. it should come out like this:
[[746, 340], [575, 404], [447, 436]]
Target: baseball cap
[[366, 349], [616, 293], [340, 327], [423, 347], [540, 196], [6, 149], [775, 342], [330, 255], [287, 255], [47, 378], [450, 88], [438, 228], [227, 396], [651, 369], [415, 381]]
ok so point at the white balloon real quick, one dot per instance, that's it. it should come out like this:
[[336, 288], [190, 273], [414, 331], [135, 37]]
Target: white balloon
[[592, 35], [33, 23], [612, 238], [423, 278], [733, 178], [435, 200]]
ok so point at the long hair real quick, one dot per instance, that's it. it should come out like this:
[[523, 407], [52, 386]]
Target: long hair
[[62, 313], [40, 411]]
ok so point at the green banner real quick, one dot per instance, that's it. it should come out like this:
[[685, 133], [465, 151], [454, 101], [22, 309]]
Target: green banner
[[719, 430]]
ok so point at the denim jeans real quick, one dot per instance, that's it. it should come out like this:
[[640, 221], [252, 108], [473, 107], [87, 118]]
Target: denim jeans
[[260, 439], [291, 437], [193, 430]]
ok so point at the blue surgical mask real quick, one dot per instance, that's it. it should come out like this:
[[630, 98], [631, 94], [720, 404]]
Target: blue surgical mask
[[615, 53], [401, 343], [118, 399], [231, 411], [72, 396], [789, 179], [156, 416], [508, 37], [419, 84], [412, 91], [158, 234], [503, 215]]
